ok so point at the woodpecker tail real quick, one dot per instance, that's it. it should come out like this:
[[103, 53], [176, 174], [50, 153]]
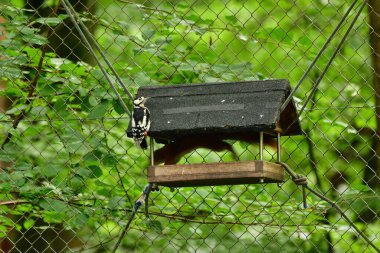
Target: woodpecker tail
[[143, 144]]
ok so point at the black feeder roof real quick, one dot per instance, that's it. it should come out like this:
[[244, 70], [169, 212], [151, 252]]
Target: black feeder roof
[[219, 108]]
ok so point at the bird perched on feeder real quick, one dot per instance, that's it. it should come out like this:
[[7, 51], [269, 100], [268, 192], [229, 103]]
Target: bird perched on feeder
[[140, 121]]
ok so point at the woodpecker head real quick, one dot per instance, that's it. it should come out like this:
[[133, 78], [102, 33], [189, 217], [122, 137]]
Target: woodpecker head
[[140, 101]]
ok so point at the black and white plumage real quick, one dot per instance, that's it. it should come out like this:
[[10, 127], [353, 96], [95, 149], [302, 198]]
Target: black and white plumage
[[140, 122]]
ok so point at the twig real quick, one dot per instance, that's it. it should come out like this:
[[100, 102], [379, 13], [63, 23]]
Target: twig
[[136, 207], [32, 88], [13, 202], [173, 216], [123, 233]]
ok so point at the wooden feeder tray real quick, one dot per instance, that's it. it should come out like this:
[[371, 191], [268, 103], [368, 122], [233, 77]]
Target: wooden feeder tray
[[205, 174], [227, 110]]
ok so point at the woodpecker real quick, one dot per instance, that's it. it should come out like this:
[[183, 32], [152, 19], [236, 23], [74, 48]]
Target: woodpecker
[[140, 121]]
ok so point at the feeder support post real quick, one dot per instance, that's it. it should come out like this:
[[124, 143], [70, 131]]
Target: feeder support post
[[151, 151], [261, 145], [278, 147]]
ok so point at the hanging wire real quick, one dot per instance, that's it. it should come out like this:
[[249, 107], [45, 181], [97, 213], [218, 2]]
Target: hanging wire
[[95, 43], [106, 75], [315, 86], [179, 220], [332, 35], [329, 63], [300, 180]]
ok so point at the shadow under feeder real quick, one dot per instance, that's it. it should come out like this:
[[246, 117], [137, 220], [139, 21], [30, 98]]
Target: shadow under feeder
[[225, 110]]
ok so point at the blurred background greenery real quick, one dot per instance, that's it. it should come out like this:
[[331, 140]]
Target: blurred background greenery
[[70, 175]]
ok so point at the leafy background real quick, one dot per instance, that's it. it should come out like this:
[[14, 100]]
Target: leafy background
[[70, 175]]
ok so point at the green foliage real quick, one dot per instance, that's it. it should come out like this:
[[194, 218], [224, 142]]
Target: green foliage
[[71, 164]]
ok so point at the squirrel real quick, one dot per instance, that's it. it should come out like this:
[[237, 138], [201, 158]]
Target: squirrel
[[172, 152]]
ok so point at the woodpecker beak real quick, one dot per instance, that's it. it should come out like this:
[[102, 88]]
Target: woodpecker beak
[[146, 99]]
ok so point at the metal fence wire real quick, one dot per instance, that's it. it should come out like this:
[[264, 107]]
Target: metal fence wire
[[69, 175]]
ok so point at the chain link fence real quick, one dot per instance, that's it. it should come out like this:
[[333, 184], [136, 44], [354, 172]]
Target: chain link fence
[[69, 174]]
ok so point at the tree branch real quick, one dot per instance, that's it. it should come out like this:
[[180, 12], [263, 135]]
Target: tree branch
[[13, 202], [33, 84]]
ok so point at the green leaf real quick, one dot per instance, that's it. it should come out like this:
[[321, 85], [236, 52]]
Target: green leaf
[[92, 101], [10, 72], [6, 156], [28, 224], [84, 172], [35, 39], [192, 19], [32, 132], [143, 79], [27, 30], [96, 171], [93, 157], [74, 141], [155, 225], [15, 110], [99, 110], [92, 171], [77, 183], [232, 19], [117, 107], [79, 220], [53, 217], [305, 41], [50, 170], [9, 92], [3, 231], [38, 111], [50, 21], [109, 160], [147, 34], [359, 186], [116, 202], [280, 34], [5, 187], [54, 205], [23, 166], [60, 105]]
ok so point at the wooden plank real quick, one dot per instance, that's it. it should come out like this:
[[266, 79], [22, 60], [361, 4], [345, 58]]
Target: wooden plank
[[247, 172]]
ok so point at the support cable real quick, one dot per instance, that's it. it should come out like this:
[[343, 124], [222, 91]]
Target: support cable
[[299, 179], [329, 63], [106, 75], [85, 29], [315, 86], [332, 35], [141, 200]]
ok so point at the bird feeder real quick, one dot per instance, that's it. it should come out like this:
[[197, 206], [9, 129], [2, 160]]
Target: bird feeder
[[223, 109]]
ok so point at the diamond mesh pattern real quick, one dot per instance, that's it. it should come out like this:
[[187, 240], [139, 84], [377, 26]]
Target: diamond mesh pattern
[[69, 175]]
